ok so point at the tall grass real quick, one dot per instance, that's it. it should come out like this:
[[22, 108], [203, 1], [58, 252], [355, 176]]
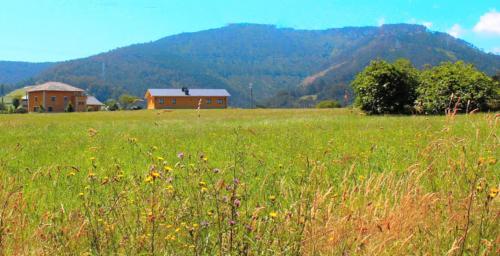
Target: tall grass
[[249, 182]]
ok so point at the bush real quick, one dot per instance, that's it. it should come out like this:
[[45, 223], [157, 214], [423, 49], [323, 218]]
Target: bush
[[386, 88], [21, 110], [70, 108], [328, 104], [455, 84]]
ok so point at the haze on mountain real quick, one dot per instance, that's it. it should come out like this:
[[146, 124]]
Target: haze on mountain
[[282, 64]]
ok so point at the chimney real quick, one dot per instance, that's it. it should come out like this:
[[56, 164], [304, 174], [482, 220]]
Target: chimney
[[185, 90]]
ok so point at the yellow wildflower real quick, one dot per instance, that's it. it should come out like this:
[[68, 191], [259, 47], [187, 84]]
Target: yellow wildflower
[[205, 158], [161, 159], [149, 179], [204, 190], [272, 198], [170, 188], [155, 175], [81, 194], [361, 178], [493, 192], [273, 214], [91, 175], [202, 184], [168, 168]]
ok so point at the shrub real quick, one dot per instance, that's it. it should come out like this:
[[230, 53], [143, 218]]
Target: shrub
[[70, 108], [386, 88], [455, 84], [21, 110], [328, 104]]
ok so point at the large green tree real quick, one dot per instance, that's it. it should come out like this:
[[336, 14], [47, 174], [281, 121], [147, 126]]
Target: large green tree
[[455, 84], [385, 88]]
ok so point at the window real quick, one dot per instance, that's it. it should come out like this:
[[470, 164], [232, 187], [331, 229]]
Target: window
[[161, 101], [36, 99], [53, 98], [50, 109], [209, 101], [220, 101], [81, 103], [174, 101], [35, 109], [65, 99]]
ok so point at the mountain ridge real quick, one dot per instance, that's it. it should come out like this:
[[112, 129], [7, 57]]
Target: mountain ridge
[[272, 59]]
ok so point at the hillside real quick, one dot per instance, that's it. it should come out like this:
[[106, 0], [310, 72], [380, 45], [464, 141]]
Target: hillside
[[303, 62], [12, 72]]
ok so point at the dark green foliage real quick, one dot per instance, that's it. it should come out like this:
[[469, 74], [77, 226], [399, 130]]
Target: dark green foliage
[[112, 105], [70, 108], [41, 109], [385, 88], [455, 84], [127, 101], [328, 104], [2, 107], [16, 102]]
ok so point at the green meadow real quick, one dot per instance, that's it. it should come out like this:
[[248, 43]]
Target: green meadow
[[249, 182]]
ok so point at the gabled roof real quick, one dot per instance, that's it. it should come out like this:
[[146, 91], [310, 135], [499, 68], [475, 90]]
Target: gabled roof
[[54, 86], [192, 92], [91, 100]]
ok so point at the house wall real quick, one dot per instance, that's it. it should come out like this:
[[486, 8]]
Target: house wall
[[94, 108], [44, 98], [186, 102]]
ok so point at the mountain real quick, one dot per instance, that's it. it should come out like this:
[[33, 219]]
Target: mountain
[[12, 72], [277, 61]]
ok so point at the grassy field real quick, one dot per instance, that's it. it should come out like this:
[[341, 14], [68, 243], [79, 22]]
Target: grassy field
[[251, 182]]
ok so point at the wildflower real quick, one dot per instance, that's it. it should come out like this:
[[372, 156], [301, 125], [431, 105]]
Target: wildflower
[[72, 174], [160, 159], [180, 155], [155, 175], [273, 214], [237, 202], [493, 192], [236, 181], [272, 198], [155, 148], [202, 184], [479, 188], [81, 194], [204, 190], [170, 188], [92, 159], [205, 159], [481, 160], [361, 178], [195, 226], [232, 222], [149, 179], [168, 168], [210, 212], [170, 237], [91, 175]]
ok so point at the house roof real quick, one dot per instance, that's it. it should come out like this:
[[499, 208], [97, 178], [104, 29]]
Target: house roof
[[54, 86], [91, 100], [192, 92]]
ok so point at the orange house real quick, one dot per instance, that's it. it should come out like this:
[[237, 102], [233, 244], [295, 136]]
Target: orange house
[[56, 97], [186, 98]]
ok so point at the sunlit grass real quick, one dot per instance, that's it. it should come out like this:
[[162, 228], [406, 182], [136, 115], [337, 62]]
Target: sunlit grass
[[248, 182]]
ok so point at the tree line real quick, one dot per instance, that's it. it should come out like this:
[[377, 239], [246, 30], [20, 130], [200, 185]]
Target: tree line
[[400, 88]]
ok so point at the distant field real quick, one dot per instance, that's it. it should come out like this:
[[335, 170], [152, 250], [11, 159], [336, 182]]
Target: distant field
[[252, 182]]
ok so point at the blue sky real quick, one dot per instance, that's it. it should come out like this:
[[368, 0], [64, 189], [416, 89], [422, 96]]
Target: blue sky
[[55, 30]]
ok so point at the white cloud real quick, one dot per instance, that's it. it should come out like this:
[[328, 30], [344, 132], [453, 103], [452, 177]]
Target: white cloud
[[381, 21], [496, 50], [456, 30], [427, 24], [489, 23]]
